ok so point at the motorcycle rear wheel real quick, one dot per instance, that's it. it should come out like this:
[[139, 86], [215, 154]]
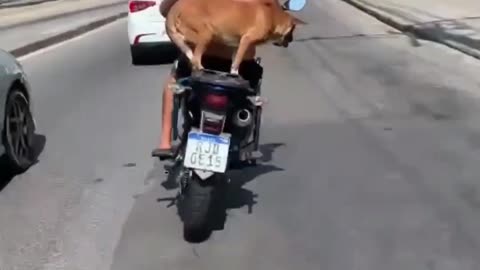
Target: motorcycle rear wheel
[[195, 207]]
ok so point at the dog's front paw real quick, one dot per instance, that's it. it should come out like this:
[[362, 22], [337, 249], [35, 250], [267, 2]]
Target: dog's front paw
[[197, 66], [234, 71]]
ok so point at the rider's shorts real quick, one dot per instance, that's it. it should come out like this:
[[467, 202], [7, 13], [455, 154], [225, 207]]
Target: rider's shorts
[[250, 70]]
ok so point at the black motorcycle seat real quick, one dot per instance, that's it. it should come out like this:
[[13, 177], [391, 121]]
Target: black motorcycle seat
[[218, 78]]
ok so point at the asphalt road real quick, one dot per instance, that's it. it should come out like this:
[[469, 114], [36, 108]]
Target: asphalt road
[[22, 35], [371, 143]]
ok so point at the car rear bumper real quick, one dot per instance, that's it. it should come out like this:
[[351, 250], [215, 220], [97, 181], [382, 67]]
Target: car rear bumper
[[153, 45], [164, 48], [143, 31], [161, 49]]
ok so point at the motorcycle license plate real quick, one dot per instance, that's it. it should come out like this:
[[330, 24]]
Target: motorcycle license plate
[[207, 152]]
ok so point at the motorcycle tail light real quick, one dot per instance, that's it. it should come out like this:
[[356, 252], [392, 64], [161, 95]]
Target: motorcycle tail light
[[212, 123], [215, 101]]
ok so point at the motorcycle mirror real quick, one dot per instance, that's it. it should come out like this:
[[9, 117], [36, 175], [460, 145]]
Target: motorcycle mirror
[[294, 5]]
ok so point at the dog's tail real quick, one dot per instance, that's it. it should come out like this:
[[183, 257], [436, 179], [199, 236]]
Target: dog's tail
[[172, 24]]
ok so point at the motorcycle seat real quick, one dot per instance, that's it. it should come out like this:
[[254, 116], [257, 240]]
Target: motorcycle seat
[[219, 79]]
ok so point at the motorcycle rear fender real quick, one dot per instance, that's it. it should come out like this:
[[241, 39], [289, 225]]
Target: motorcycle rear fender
[[203, 175]]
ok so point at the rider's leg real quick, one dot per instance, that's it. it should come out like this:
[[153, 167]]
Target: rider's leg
[[167, 109], [251, 71], [180, 69]]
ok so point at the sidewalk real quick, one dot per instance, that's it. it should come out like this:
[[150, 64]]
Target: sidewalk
[[15, 16], [455, 23]]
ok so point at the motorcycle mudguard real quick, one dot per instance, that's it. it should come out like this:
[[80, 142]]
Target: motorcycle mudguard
[[203, 174]]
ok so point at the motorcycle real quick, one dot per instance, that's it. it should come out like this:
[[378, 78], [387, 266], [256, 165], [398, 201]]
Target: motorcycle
[[221, 128]]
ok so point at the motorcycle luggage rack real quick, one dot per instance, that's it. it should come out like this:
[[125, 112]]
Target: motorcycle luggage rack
[[218, 78]]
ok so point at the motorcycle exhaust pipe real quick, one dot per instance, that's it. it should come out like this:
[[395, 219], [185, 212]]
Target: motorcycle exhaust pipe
[[243, 118]]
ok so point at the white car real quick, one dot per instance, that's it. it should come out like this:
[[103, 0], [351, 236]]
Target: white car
[[146, 32]]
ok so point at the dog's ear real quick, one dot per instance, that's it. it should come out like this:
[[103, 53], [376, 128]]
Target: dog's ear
[[297, 21]]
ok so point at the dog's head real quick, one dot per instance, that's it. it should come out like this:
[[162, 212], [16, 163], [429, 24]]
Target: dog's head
[[284, 30]]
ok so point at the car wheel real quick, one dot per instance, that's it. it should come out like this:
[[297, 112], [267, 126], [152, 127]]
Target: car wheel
[[19, 130]]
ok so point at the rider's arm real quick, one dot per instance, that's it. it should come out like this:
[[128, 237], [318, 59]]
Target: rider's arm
[[165, 6]]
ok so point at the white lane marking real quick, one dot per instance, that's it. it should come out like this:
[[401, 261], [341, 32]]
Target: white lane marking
[[66, 42]]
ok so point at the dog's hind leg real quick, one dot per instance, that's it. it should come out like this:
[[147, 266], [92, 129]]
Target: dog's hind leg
[[181, 43], [203, 40], [178, 38]]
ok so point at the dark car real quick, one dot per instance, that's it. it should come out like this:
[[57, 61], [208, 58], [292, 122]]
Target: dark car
[[17, 125]]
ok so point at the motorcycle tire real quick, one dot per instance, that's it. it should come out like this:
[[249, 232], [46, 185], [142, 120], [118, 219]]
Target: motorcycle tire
[[195, 207]]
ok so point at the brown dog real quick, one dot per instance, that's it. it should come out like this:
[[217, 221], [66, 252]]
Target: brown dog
[[197, 23]]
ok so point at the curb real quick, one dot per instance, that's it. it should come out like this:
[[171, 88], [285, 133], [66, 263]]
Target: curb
[[415, 30], [58, 16], [41, 44]]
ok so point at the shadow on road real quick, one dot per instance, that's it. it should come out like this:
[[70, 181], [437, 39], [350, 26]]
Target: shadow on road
[[6, 174], [232, 193], [429, 26], [389, 34], [449, 30]]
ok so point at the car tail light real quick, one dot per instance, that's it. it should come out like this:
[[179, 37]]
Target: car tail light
[[138, 37], [135, 6]]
